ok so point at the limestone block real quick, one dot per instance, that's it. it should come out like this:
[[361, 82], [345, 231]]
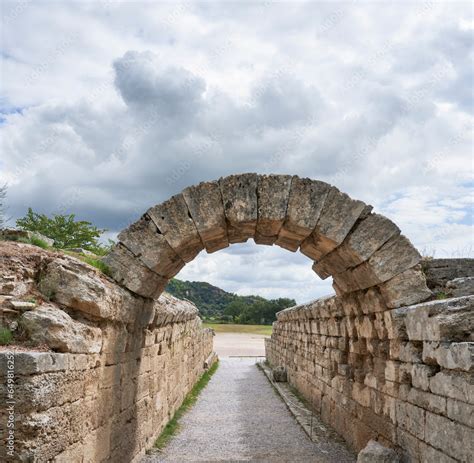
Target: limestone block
[[367, 236], [453, 356], [406, 288], [13, 234], [450, 437], [205, 205], [29, 363], [427, 401], [395, 323], [305, 204], [374, 452], [147, 243], [421, 374], [461, 412], [72, 283], [394, 257], [175, 223], [460, 286], [411, 418], [441, 320], [272, 197], [430, 454], [338, 216], [239, 195], [52, 326], [129, 272], [453, 384]]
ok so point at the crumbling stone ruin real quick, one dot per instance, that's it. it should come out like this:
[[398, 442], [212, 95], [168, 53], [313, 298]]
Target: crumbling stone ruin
[[382, 360]]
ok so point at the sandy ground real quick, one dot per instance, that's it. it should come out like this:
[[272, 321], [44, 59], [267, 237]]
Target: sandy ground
[[239, 344]]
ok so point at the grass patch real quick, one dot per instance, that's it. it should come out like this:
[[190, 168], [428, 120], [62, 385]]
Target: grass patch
[[39, 242], [173, 425], [234, 328], [441, 295], [6, 336], [97, 263], [94, 261]]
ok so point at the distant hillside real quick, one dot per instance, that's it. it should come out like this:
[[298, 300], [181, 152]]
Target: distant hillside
[[215, 303]]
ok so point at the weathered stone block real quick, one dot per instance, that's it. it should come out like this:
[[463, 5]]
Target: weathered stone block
[[461, 412], [411, 418], [128, 271], [175, 223], [272, 200], [445, 320], [206, 207], [52, 326], [453, 384], [305, 204], [460, 286], [394, 257], [239, 195], [421, 374], [338, 216], [366, 237], [450, 437], [406, 288], [453, 356], [427, 401], [374, 452], [147, 243]]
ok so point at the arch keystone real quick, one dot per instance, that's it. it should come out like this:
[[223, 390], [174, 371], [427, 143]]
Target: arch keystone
[[239, 195], [273, 192]]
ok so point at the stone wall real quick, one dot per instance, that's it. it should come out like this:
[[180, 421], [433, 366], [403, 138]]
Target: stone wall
[[451, 277], [113, 369], [401, 375]]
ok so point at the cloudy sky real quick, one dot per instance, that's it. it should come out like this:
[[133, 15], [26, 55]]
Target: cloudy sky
[[107, 108]]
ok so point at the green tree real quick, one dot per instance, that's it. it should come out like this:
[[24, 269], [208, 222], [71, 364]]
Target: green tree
[[64, 230]]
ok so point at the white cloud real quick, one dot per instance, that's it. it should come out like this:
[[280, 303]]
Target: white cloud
[[111, 107]]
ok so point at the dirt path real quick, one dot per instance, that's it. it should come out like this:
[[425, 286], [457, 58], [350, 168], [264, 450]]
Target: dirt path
[[240, 417]]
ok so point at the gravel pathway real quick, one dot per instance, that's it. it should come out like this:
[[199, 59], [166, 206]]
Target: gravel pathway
[[240, 417]]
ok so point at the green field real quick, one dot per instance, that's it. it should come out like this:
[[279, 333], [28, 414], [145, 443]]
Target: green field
[[232, 328]]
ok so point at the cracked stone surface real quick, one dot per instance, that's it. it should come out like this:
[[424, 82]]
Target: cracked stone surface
[[239, 417]]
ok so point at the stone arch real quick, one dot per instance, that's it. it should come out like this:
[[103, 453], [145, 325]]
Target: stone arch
[[342, 236]]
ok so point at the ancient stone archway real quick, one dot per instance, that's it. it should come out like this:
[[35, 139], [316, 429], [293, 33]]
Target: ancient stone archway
[[358, 248]]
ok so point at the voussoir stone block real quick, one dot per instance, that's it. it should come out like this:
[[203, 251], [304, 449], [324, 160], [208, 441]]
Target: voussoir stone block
[[305, 203], [239, 195], [337, 217], [205, 205], [128, 271], [406, 288], [366, 237], [146, 242], [272, 201], [394, 257], [174, 221]]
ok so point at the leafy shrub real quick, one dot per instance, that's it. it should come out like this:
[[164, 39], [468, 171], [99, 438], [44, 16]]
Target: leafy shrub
[[63, 229]]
